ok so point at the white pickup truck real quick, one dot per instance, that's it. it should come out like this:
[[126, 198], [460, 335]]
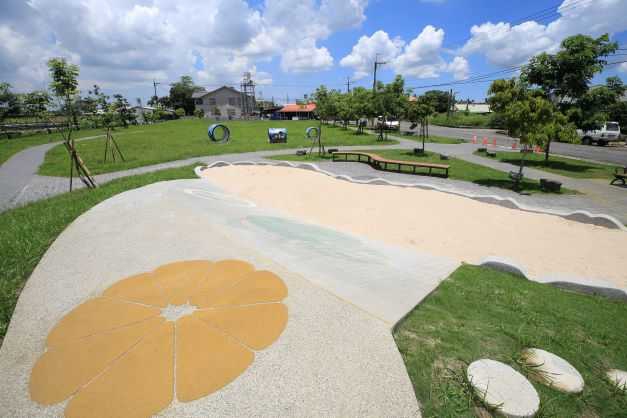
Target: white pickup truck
[[609, 132]]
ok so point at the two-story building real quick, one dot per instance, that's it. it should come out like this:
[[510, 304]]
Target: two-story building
[[223, 103]]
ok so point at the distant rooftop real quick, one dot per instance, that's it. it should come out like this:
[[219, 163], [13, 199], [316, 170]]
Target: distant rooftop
[[296, 108]]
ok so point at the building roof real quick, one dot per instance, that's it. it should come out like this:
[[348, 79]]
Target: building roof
[[203, 93], [296, 108]]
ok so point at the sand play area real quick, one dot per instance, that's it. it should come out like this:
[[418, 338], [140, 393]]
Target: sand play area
[[549, 247]]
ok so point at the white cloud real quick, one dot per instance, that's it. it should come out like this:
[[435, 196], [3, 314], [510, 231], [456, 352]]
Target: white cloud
[[164, 39], [459, 67], [623, 67], [421, 58], [306, 58], [506, 45], [365, 52]]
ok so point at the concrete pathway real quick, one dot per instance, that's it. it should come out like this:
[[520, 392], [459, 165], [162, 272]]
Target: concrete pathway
[[342, 291], [19, 173], [20, 183]]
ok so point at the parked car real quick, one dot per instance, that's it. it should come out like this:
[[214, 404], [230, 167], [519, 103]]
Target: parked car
[[609, 132], [390, 125]]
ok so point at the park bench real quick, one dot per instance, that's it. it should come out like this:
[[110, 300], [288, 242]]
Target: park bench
[[550, 185], [380, 163], [620, 174], [490, 153]]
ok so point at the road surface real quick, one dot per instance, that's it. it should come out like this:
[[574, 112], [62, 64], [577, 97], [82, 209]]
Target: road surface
[[609, 154]]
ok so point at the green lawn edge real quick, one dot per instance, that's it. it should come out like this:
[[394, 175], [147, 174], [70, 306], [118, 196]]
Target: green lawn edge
[[564, 166], [27, 232], [481, 313]]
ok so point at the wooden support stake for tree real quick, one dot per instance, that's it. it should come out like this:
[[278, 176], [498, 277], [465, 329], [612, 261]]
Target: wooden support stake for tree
[[77, 163], [111, 147]]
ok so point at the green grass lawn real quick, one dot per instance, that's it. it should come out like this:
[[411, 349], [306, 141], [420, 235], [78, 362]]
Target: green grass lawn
[[433, 139], [9, 147], [460, 169], [462, 119], [568, 167], [182, 139], [481, 313], [27, 232]]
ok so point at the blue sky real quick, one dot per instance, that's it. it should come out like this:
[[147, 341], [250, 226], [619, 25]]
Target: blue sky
[[290, 46]]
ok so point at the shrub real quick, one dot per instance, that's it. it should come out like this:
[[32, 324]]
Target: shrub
[[199, 113], [180, 112]]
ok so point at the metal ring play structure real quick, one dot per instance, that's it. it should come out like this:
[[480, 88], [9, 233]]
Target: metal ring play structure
[[312, 133], [224, 138]]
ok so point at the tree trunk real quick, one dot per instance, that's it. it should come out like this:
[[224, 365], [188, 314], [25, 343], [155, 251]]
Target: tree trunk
[[522, 161], [547, 151]]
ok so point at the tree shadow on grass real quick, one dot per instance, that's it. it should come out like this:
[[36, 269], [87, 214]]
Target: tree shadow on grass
[[525, 187], [580, 167]]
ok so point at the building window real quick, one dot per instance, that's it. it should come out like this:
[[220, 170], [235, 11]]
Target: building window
[[232, 101], [212, 101], [198, 101]]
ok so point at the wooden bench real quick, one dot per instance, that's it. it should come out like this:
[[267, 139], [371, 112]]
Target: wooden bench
[[380, 163], [620, 174]]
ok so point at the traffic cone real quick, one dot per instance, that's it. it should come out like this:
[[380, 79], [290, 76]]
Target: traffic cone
[[514, 145], [485, 140], [494, 142], [474, 139]]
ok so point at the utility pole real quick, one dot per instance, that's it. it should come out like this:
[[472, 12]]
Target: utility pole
[[348, 84], [377, 64], [155, 84], [450, 104]]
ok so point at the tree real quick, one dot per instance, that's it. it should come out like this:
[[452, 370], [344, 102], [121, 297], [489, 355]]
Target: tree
[[536, 121], [64, 86], [566, 75], [618, 113], [181, 94], [439, 100], [418, 112], [36, 103], [362, 105], [8, 100], [345, 107], [121, 108], [326, 103]]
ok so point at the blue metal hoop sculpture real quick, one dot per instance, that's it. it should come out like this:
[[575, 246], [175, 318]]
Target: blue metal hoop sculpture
[[312, 133], [214, 133]]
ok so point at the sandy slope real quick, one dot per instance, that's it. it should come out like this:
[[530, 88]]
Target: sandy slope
[[439, 223]]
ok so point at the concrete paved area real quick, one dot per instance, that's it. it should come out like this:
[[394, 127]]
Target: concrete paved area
[[343, 291]]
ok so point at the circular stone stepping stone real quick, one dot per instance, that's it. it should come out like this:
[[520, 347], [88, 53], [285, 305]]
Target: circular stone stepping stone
[[619, 378], [554, 370], [502, 387]]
